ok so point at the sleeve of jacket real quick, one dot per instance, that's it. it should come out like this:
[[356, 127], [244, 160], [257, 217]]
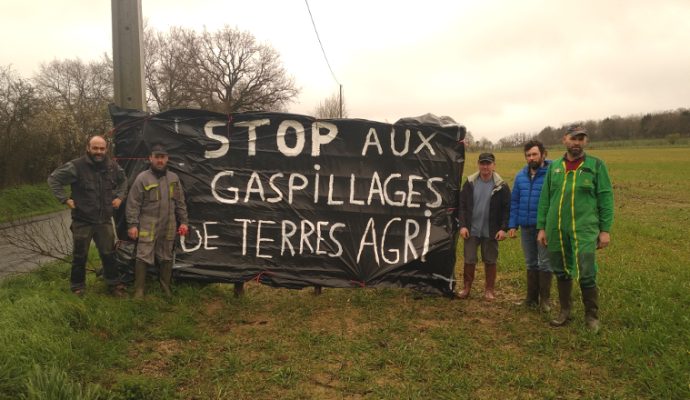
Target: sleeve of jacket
[[64, 175], [121, 181], [135, 199], [544, 200], [604, 198], [505, 206], [181, 206], [462, 206], [514, 204]]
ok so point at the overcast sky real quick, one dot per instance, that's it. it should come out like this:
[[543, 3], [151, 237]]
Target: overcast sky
[[498, 67]]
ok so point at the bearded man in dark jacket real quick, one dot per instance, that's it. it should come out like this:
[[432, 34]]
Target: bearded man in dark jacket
[[98, 186]]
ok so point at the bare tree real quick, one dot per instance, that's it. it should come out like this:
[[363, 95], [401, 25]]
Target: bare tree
[[469, 140], [484, 144], [81, 92], [168, 68], [330, 108], [39, 239], [18, 105], [514, 140], [234, 73]]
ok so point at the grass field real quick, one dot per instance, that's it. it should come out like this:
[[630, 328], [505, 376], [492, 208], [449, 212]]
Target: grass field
[[27, 201], [378, 344]]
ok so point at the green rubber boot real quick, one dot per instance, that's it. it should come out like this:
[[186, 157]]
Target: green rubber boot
[[565, 290]]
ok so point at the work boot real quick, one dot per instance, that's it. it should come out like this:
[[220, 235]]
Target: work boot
[[565, 290], [467, 278], [545, 291], [118, 290], [590, 299], [532, 299], [165, 276], [490, 275], [139, 278]]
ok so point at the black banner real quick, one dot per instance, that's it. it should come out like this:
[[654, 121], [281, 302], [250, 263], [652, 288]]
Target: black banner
[[292, 201]]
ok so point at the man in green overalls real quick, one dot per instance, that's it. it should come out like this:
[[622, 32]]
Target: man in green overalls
[[574, 219]]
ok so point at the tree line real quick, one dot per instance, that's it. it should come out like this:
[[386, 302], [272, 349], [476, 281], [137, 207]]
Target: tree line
[[46, 119], [669, 125]]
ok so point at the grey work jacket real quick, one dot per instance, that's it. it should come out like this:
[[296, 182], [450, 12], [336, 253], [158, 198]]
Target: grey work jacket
[[156, 205]]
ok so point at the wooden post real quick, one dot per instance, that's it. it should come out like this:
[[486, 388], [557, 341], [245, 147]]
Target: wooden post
[[128, 54], [317, 290]]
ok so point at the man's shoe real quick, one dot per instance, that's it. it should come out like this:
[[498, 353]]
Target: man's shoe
[[119, 291]]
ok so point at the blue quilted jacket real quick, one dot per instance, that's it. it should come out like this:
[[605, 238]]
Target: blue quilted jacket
[[525, 197]]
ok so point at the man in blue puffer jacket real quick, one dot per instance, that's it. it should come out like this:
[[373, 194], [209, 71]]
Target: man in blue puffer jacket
[[523, 214]]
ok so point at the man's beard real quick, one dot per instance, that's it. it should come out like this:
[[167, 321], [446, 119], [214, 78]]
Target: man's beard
[[534, 165], [159, 171], [575, 152], [96, 158]]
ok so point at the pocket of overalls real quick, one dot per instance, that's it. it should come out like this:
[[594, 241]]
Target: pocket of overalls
[[152, 192]]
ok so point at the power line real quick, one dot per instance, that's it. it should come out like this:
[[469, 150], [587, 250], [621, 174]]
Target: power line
[[320, 44]]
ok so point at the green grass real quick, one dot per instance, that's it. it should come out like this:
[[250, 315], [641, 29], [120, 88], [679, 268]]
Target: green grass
[[378, 343], [27, 201]]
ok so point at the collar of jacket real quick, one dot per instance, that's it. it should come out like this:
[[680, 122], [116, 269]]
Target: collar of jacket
[[498, 181], [540, 171]]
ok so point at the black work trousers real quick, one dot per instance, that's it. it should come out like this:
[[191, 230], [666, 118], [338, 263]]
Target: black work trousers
[[104, 237]]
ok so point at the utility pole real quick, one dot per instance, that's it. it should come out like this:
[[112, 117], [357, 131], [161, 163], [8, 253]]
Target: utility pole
[[128, 54], [341, 101]]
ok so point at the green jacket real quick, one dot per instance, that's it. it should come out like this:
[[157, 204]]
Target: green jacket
[[578, 203]]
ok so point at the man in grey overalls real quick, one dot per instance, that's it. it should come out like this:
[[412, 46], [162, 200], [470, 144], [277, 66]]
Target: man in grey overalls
[[155, 206]]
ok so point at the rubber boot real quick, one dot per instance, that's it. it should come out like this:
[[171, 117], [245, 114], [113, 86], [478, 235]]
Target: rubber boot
[[467, 278], [590, 299], [490, 275], [545, 278], [565, 290], [532, 298], [165, 276], [139, 278]]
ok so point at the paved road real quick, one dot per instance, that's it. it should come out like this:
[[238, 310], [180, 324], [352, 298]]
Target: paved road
[[22, 243]]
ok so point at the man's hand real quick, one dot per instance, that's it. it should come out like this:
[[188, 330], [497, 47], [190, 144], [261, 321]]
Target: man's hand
[[183, 230], [70, 204], [500, 235], [464, 233], [603, 240], [133, 233], [116, 202], [541, 237], [511, 233]]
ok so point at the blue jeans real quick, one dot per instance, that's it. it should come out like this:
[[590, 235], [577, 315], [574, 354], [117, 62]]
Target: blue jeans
[[536, 255]]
